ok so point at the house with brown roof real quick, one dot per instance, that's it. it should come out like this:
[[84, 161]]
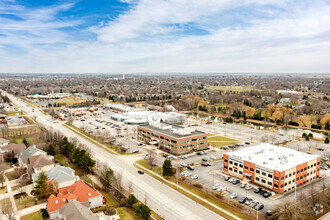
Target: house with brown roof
[[16, 148], [3, 142], [30, 151], [80, 192], [39, 163]]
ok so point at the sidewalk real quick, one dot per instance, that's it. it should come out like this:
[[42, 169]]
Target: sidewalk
[[30, 210]]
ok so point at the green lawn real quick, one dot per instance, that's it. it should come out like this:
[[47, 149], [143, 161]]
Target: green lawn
[[10, 175], [33, 216], [13, 188], [220, 138], [127, 214], [5, 204], [25, 202], [3, 190], [64, 161], [13, 113]]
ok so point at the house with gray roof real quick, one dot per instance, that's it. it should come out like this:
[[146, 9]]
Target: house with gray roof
[[65, 176], [25, 154]]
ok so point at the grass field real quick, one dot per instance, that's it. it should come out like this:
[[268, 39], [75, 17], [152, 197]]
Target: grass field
[[5, 204], [71, 100], [14, 113], [33, 216], [127, 214], [228, 88], [220, 141], [3, 190], [25, 202]]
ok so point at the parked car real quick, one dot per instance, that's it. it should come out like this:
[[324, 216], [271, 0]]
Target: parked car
[[243, 185], [247, 142], [183, 157], [165, 155], [183, 164], [236, 182], [205, 164], [140, 171], [242, 200], [269, 213], [200, 153], [135, 151], [259, 206], [262, 192], [169, 157], [266, 194], [248, 202], [213, 158], [258, 190], [194, 177], [190, 168], [232, 179], [320, 149], [227, 178], [233, 195], [205, 159]]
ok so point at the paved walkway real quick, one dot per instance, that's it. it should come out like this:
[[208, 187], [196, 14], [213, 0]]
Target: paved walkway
[[31, 209]]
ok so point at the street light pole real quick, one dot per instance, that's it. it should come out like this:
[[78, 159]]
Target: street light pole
[[177, 175], [295, 192], [213, 179]]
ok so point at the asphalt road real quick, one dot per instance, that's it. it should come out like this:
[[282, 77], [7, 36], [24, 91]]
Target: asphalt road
[[164, 200]]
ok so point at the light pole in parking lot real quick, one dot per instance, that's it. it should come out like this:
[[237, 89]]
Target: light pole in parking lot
[[295, 192], [213, 178]]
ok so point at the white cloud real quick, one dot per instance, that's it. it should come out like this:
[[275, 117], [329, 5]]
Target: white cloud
[[145, 39]]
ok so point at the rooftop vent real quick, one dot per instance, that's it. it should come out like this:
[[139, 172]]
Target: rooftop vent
[[271, 158], [265, 162], [56, 201], [89, 194]]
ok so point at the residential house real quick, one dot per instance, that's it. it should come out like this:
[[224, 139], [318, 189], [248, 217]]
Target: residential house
[[3, 142], [39, 163], [16, 148], [64, 176], [80, 192], [76, 211], [30, 151]]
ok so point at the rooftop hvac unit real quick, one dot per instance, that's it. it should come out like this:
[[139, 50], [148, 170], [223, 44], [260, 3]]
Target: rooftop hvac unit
[[271, 158], [291, 155], [265, 162]]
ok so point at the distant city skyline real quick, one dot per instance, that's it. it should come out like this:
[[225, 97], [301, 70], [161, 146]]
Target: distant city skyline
[[158, 36]]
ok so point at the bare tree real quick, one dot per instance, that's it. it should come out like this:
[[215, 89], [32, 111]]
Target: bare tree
[[8, 209], [151, 157], [70, 120], [2, 171]]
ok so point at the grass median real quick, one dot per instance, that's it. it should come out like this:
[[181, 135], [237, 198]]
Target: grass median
[[195, 192]]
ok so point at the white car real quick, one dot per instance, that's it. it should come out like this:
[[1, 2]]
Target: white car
[[248, 187], [212, 158], [243, 185], [233, 195], [232, 180], [183, 164], [194, 177], [219, 189]]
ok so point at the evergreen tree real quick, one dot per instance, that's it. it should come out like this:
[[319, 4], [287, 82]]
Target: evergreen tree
[[40, 183], [131, 201], [25, 142], [326, 141], [143, 211], [51, 150], [167, 168]]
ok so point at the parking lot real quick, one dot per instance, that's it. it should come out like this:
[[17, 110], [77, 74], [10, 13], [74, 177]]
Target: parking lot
[[16, 120]]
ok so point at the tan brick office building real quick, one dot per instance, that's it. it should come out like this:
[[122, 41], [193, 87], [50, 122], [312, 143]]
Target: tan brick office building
[[273, 167], [174, 139]]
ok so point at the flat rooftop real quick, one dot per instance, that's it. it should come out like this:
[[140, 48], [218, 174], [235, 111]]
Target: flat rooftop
[[272, 157], [169, 132]]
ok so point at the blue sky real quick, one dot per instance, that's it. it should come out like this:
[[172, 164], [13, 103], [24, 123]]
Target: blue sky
[[111, 36]]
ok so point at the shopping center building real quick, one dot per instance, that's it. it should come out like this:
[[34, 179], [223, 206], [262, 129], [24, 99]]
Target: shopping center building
[[172, 138], [273, 167]]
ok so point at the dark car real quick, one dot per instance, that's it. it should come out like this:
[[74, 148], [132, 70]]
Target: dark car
[[204, 159], [320, 149], [259, 206], [269, 213], [262, 192], [199, 153], [190, 168], [247, 142], [257, 190], [266, 194], [165, 155], [242, 200], [236, 182], [140, 171], [135, 151]]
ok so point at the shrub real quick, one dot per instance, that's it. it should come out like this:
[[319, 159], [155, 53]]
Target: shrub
[[131, 201], [326, 141], [122, 201], [110, 211], [293, 123], [143, 211], [136, 205], [198, 185]]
